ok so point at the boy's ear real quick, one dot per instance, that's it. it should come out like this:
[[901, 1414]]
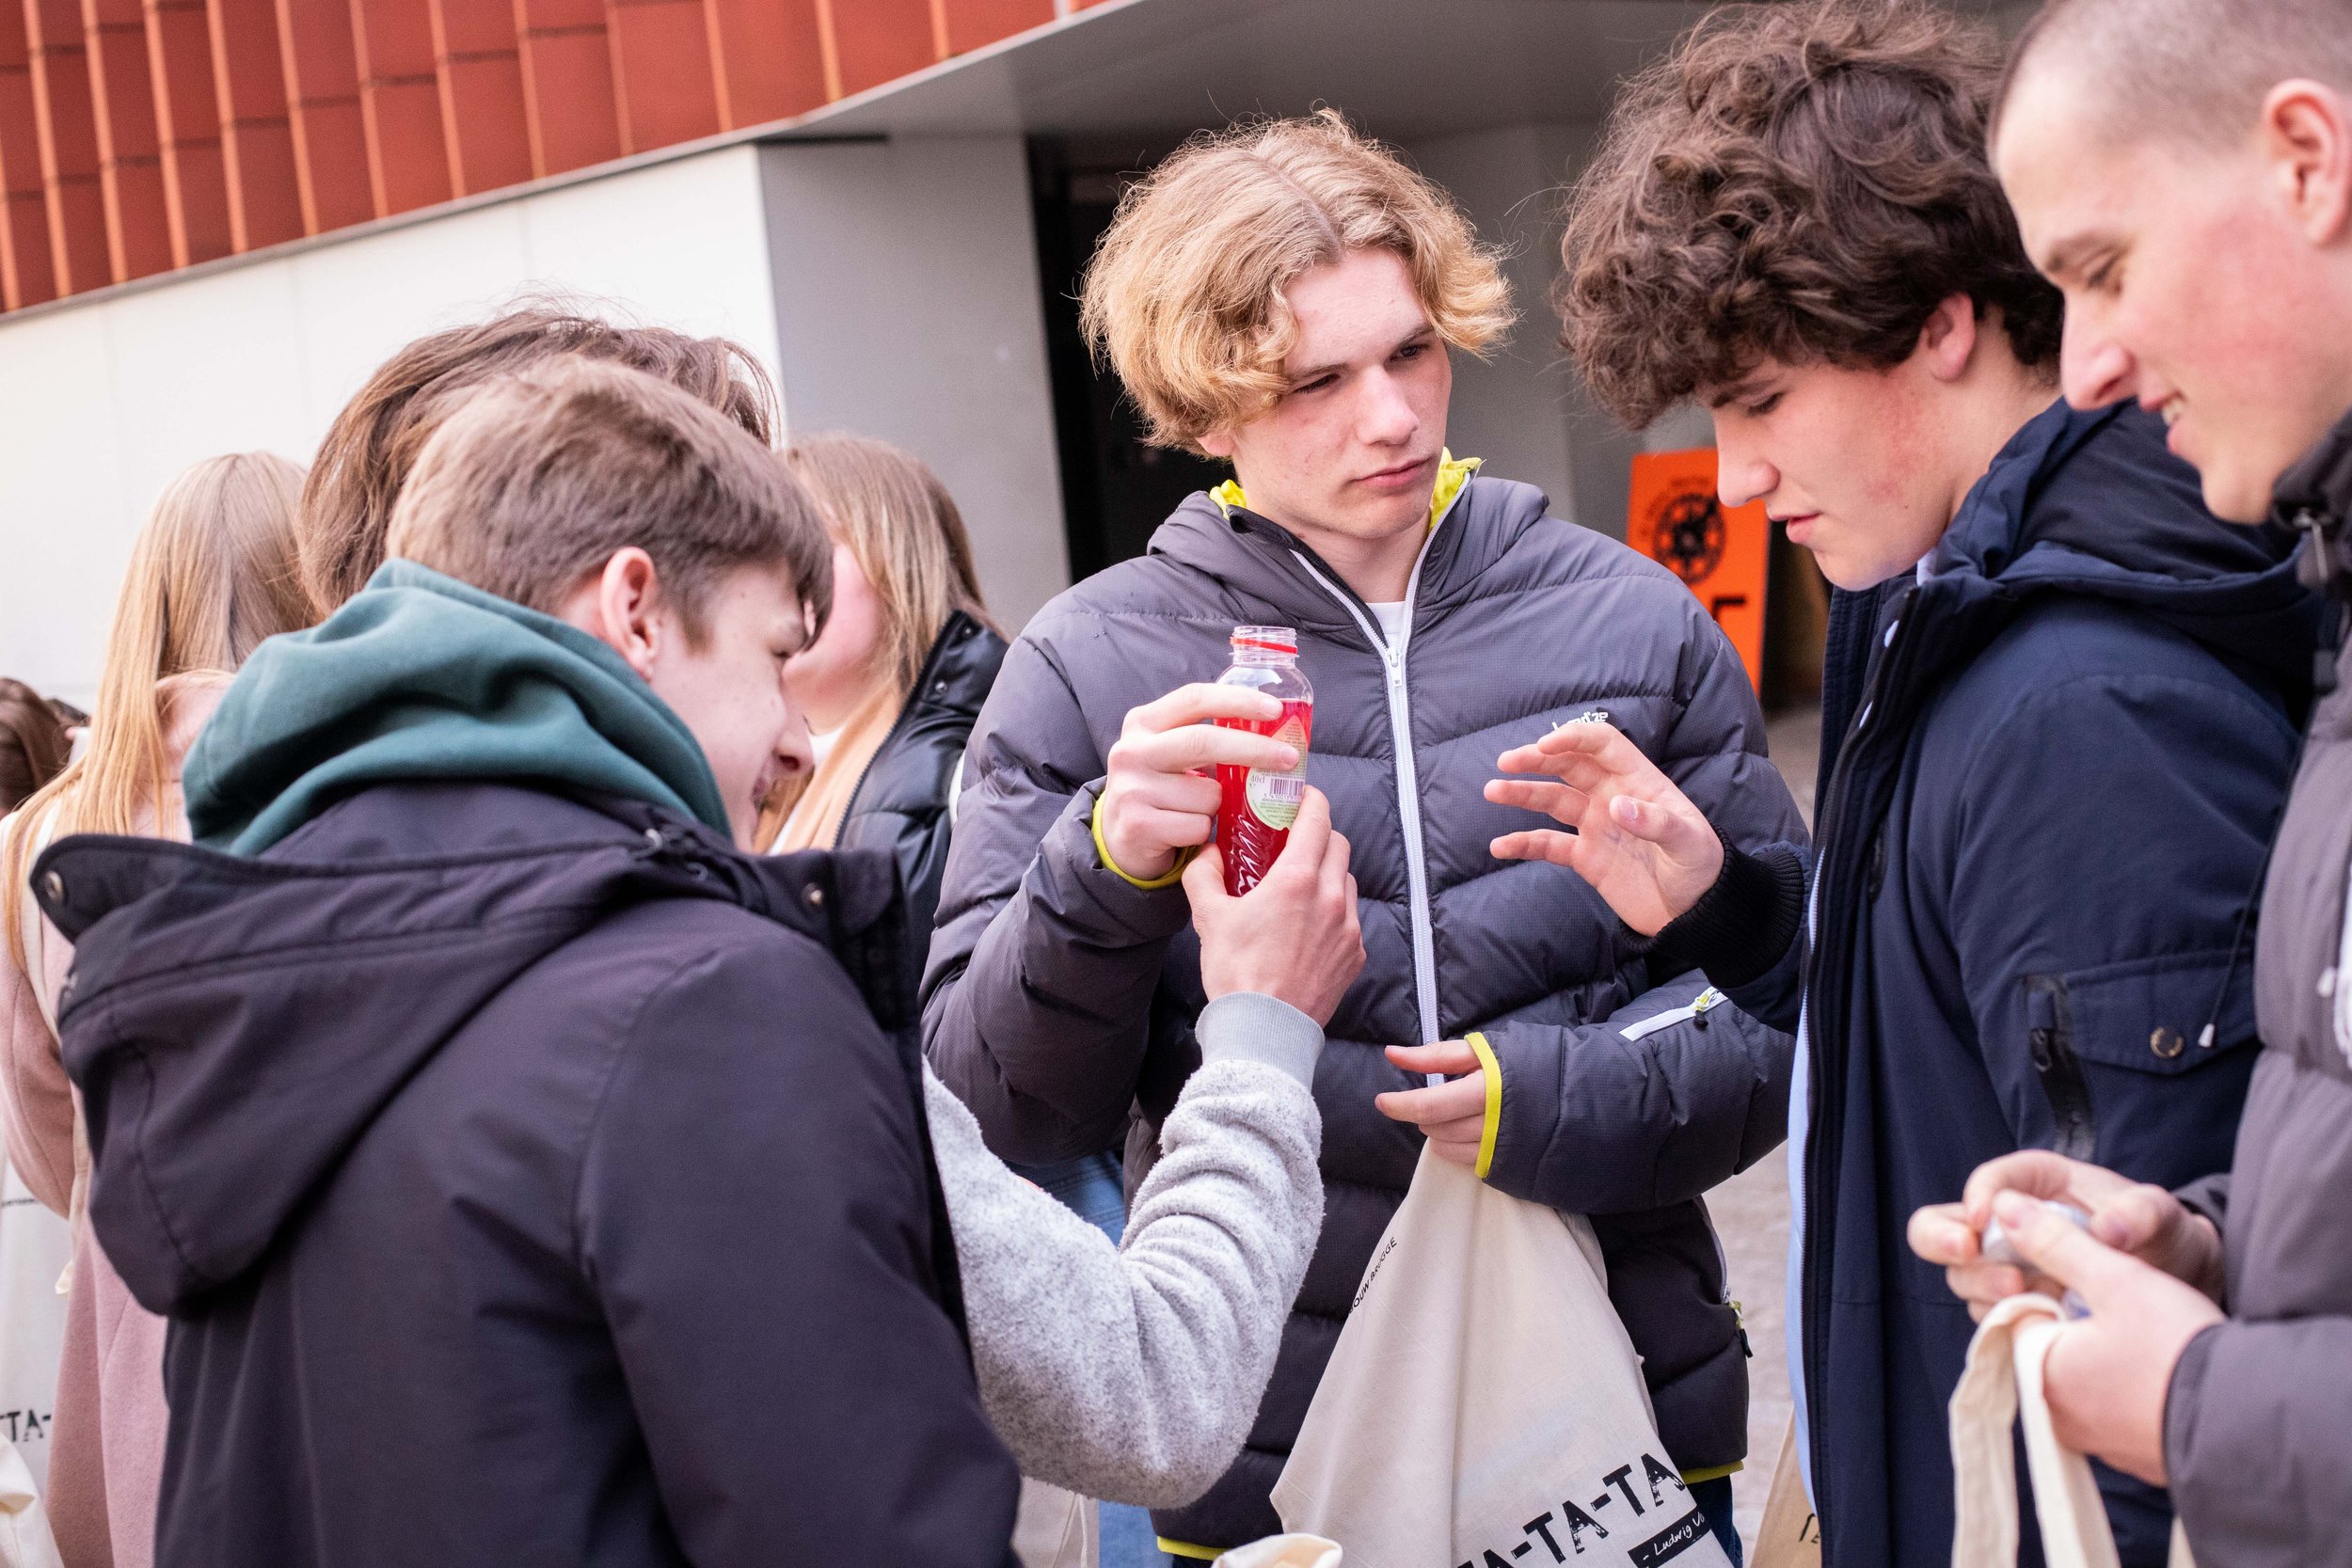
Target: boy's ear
[[2307, 135], [618, 605], [1948, 338]]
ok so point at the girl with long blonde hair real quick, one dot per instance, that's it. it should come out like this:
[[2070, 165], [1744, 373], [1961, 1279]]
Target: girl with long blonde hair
[[893, 683], [213, 574]]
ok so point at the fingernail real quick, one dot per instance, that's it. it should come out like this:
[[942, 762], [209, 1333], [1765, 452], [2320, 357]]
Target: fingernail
[[1626, 811], [2012, 1209], [1290, 756]]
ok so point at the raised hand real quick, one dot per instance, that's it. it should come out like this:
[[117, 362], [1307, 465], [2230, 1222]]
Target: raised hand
[[1294, 937], [1159, 793], [1638, 839]]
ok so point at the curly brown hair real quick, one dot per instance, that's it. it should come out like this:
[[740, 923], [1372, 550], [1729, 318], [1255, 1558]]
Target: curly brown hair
[[1798, 182]]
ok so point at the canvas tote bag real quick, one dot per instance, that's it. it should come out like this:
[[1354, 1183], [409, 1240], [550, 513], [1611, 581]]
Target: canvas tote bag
[[1789, 1536], [36, 1248], [1283, 1551], [1055, 1529], [2001, 1383], [1483, 1406]]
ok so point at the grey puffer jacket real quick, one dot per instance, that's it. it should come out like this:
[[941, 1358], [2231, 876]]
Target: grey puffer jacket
[[2258, 1422], [1060, 999]]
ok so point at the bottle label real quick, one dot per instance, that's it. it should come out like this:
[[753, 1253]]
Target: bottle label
[[1275, 797]]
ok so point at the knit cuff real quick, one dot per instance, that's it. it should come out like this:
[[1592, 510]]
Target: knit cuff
[[1742, 926], [1250, 1027]]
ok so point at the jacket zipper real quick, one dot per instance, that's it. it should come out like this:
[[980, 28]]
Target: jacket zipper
[[1407, 780], [1823, 1132], [1698, 1007]]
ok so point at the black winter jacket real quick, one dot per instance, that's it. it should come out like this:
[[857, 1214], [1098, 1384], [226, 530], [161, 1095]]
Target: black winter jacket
[[528, 1183], [2044, 824], [903, 804], [1060, 999]]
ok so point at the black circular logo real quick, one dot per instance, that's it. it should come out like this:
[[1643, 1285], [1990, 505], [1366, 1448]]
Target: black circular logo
[[1688, 536]]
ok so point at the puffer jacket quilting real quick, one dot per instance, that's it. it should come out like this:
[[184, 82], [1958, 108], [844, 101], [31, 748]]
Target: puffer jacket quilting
[[2258, 1422], [1058, 998]]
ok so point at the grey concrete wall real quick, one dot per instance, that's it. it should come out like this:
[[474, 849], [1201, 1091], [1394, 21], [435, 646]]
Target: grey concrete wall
[[906, 307], [1523, 408]]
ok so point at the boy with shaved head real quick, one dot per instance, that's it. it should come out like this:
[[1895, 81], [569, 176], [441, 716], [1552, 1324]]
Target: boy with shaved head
[[2060, 698], [2182, 171]]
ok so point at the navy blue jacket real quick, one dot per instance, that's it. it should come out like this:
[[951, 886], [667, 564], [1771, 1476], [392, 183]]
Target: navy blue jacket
[[2044, 826], [530, 1181]]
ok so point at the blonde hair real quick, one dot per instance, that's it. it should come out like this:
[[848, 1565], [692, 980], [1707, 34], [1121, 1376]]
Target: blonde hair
[[1185, 295], [901, 524], [213, 574]]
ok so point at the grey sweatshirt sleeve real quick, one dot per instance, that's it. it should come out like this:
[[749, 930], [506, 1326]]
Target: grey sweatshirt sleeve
[[1132, 1373]]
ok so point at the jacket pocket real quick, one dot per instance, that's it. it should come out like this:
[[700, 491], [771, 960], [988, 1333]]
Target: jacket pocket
[[2146, 1016], [2050, 1043]]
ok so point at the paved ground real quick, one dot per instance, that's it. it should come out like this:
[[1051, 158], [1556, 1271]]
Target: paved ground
[[1752, 1212]]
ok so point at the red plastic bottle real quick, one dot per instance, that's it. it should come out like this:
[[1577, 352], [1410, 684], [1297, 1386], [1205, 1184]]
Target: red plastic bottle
[[1255, 821]]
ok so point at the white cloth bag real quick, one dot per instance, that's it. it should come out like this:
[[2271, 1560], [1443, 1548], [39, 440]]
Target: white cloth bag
[[2001, 1383], [1283, 1551], [36, 1248], [24, 1540], [1484, 1404], [1055, 1529]]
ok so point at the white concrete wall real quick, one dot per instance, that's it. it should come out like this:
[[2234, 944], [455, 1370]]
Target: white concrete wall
[[907, 307], [1523, 409], [103, 401]]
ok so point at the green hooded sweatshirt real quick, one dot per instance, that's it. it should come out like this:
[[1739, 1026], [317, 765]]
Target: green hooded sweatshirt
[[422, 677]]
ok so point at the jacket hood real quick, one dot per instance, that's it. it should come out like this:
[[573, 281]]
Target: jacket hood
[[236, 1023], [2093, 503], [421, 676], [1474, 521], [2315, 496]]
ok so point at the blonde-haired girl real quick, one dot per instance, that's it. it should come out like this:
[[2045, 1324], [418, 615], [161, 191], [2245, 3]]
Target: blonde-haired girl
[[213, 574], [907, 656]]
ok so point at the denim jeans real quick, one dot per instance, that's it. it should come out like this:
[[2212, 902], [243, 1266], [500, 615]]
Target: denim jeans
[[1713, 1498]]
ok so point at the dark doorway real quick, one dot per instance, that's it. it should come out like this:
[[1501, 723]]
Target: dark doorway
[[1115, 489]]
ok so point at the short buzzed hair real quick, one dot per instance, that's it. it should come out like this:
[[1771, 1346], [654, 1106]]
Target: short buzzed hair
[[2195, 70], [537, 479]]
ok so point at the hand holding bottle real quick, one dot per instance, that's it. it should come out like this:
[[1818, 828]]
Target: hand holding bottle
[[1294, 936]]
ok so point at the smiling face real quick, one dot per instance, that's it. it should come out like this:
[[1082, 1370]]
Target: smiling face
[[729, 687], [1347, 457], [2209, 284], [731, 690]]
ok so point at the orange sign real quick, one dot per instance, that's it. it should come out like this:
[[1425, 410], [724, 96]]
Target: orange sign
[[1720, 553]]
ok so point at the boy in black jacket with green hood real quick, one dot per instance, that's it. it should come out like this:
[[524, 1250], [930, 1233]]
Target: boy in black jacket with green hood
[[530, 1177]]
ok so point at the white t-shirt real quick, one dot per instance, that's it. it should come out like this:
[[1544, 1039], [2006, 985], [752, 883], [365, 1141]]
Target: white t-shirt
[[1392, 620]]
